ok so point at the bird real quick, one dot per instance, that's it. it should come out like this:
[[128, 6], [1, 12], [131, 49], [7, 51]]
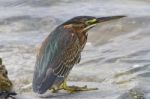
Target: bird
[[6, 86], [60, 51]]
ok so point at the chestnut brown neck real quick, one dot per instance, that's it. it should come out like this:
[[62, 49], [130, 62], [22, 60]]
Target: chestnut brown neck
[[78, 30]]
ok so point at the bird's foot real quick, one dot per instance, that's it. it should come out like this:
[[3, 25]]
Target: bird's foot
[[73, 89], [6, 95]]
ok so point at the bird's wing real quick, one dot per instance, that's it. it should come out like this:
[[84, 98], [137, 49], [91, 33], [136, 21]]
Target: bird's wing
[[51, 61], [68, 57]]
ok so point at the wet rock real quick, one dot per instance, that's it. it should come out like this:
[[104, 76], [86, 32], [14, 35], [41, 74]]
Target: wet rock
[[6, 85], [135, 93]]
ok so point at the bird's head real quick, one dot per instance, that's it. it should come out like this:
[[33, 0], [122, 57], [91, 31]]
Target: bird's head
[[84, 23]]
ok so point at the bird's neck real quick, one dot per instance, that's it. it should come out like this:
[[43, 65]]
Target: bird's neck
[[82, 38], [82, 35]]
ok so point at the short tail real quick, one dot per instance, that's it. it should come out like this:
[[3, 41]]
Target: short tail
[[42, 84]]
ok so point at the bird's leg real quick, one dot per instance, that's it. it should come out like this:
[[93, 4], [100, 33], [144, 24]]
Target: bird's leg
[[55, 90], [72, 89]]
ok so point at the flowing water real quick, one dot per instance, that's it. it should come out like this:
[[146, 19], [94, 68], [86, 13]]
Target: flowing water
[[117, 54]]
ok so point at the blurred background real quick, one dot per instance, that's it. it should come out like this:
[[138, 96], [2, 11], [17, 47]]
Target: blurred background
[[117, 55]]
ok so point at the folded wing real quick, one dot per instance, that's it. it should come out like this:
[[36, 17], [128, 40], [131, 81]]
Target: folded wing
[[57, 55]]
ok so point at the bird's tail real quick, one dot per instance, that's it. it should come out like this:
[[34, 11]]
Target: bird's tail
[[43, 83]]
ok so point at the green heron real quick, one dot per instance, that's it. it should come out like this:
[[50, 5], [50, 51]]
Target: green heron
[[6, 85], [60, 51]]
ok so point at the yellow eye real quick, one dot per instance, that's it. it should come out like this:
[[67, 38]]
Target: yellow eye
[[91, 21]]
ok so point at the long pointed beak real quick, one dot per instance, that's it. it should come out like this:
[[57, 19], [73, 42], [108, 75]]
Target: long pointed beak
[[104, 19]]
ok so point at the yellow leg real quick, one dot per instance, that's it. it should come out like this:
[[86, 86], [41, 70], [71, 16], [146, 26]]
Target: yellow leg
[[72, 89], [54, 90]]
